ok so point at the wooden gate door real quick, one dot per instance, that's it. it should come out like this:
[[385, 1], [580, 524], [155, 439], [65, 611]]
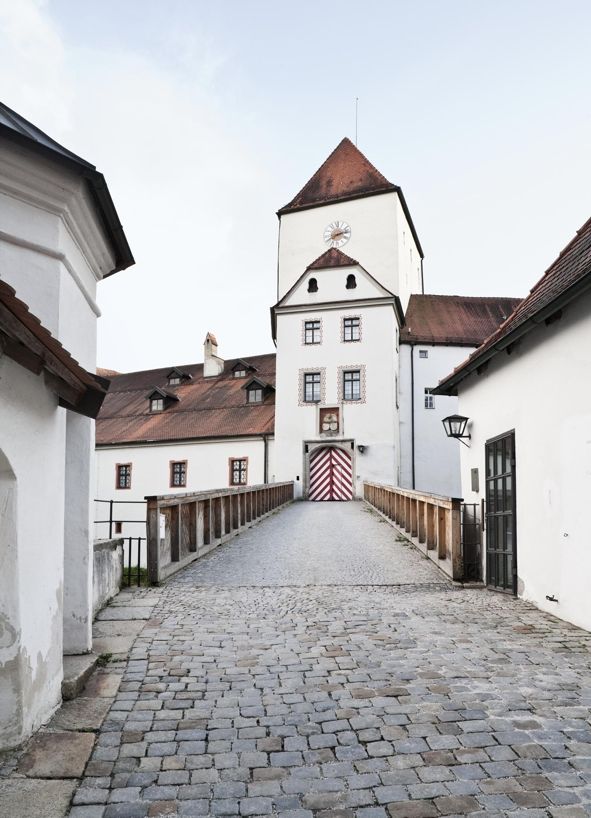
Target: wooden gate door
[[501, 551], [331, 474]]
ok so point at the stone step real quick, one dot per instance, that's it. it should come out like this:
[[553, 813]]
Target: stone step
[[77, 670]]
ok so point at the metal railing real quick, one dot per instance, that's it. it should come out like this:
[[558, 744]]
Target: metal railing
[[432, 523], [134, 547], [472, 542], [183, 527]]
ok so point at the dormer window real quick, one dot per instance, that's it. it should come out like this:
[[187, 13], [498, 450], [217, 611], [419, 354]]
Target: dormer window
[[351, 282], [257, 390], [176, 377], [312, 285], [242, 368], [254, 394], [160, 399]]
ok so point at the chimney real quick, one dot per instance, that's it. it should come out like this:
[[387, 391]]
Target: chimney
[[212, 364]]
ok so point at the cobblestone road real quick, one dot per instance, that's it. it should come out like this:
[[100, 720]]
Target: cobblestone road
[[337, 695]]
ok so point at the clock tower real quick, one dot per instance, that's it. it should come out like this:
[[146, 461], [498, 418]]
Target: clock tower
[[349, 259]]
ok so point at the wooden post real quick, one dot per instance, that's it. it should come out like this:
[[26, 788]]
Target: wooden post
[[441, 532], [153, 534], [431, 527], [455, 539], [422, 527]]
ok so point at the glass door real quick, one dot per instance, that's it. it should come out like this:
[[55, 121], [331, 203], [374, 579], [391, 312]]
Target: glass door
[[501, 554]]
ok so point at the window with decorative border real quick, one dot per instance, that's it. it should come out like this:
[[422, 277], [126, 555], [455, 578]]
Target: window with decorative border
[[312, 331], [351, 328], [312, 386], [351, 384], [123, 476], [238, 471], [178, 474], [429, 399]]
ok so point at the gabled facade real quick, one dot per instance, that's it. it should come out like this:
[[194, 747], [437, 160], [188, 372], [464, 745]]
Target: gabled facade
[[526, 393]]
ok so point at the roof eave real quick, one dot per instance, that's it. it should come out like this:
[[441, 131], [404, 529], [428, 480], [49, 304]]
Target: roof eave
[[335, 200], [448, 386], [98, 189], [350, 197]]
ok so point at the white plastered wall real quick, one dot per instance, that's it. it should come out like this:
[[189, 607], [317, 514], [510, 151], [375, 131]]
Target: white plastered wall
[[372, 423], [32, 441], [375, 221], [543, 392], [53, 252], [437, 457], [207, 469]]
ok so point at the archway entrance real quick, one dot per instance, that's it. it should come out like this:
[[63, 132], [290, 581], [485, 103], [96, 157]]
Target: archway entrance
[[331, 474]]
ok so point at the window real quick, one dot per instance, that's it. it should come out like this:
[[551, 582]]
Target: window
[[312, 387], [157, 405], [352, 385], [351, 282], [178, 473], [240, 373], [312, 285], [238, 471], [423, 353], [352, 329], [312, 332], [123, 476], [429, 400], [174, 380], [254, 394]]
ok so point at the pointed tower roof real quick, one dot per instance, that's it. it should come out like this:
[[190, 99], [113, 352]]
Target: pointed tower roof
[[346, 174], [332, 258]]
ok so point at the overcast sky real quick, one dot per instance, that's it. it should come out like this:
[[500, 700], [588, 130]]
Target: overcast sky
[[206, 117]]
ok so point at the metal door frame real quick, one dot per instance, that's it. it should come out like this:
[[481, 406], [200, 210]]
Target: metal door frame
[[511, 433]]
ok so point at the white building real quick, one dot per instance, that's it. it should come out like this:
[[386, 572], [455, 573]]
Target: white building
[[527, 393], [184, 428], [342, 411], [59, 236], [439, 331]]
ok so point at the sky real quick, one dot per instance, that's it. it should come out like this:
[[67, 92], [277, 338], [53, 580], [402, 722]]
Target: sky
[[207, 117]]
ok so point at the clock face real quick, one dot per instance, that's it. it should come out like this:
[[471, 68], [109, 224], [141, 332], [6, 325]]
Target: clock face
[[337, 233]]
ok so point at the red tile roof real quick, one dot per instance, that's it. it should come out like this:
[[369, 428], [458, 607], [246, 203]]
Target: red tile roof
[[207, 407], [454, 319], [332, 258], [24, 339], [560, 284], [346, 173]]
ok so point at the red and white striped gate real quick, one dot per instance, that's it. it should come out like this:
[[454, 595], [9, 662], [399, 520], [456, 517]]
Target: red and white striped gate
[[331, 474]]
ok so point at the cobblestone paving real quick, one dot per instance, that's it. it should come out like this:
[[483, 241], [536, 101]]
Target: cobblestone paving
[[407, 701]]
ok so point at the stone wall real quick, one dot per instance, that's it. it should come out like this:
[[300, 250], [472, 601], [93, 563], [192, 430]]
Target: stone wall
[[107, 573]]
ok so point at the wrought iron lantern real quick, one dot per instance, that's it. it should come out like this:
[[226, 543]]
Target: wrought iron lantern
[[455, 426]]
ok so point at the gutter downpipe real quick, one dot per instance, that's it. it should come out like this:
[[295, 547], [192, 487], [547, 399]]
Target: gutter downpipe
[[412, 410], [266, 460]]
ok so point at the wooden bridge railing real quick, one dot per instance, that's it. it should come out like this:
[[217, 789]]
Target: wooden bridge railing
[[183, 527], [431, 522]]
